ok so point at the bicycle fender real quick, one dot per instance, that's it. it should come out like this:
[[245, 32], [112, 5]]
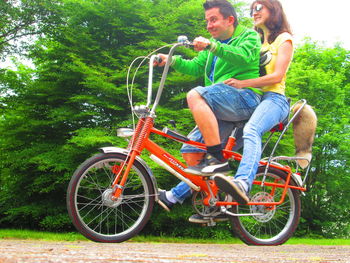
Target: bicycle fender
[[112, 149], [297, 179]]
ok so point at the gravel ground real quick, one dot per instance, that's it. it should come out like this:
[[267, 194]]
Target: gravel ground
[[42, 251]]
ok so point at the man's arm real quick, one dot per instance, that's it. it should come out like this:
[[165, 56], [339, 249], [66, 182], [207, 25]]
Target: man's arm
[[245, 52], [193, 67]]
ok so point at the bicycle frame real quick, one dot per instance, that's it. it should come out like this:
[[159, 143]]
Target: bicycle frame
[[111, 195], [198, 183], [141, 141]]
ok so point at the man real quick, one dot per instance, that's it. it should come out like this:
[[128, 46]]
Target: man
[[232, 52]]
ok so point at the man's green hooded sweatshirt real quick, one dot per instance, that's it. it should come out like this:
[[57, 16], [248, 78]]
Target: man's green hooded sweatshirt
[[238, 59]]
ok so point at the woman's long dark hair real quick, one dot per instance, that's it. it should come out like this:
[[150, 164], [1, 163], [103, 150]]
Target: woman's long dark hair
[[277, 22]]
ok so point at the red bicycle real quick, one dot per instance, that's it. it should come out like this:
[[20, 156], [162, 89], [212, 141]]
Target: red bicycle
[[111, 195]]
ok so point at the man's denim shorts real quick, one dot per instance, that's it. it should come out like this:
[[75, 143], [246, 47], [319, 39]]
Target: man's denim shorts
[[229, 105]]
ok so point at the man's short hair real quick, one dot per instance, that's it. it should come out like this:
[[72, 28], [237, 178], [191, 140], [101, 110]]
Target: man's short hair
[[225, 8]]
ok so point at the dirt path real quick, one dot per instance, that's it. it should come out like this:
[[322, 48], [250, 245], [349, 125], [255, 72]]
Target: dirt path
[[40, 251]]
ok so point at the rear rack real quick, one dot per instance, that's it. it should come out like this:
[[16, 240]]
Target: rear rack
[[275, 160], [272, 158]]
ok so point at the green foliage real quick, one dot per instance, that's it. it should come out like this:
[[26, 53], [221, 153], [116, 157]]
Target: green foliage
[[321, 75], [21, 20], [55, 116]]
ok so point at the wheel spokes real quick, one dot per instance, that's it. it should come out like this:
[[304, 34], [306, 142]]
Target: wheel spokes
[[95, 204]]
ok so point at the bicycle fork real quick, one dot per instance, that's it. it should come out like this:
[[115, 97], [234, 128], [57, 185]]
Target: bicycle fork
[[136, 146]]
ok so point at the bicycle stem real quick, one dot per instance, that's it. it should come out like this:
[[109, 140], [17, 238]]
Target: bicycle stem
[[150, 80]]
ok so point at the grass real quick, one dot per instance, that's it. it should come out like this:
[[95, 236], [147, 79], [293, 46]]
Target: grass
[[49, 236], [318, 242], [39, 235]]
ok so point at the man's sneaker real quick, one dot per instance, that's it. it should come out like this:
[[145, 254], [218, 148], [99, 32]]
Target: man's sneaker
[[163, 201], [214, 165], [209, 165], [232, 187], [199, 219], [196, 169]]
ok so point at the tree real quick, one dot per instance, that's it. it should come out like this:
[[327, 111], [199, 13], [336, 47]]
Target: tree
[[21, 19], [321, 75], [57, 115]]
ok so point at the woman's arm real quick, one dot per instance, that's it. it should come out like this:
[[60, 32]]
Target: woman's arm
[[285, 53]]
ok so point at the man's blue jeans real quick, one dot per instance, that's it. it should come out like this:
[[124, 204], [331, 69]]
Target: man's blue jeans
[[228, 105]]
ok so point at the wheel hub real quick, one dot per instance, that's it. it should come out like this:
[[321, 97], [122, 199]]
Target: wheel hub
[[109, 200], [266, 213]]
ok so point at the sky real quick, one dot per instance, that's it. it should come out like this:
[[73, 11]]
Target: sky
[[326, 21]]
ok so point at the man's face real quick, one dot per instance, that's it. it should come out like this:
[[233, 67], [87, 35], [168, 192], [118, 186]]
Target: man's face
[[219, 27]]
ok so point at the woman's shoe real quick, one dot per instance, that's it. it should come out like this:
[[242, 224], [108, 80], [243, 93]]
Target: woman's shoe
[[232, 187]]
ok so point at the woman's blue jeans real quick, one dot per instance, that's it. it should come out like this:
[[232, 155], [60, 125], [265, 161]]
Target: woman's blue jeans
[[229, 105], [273, 109]]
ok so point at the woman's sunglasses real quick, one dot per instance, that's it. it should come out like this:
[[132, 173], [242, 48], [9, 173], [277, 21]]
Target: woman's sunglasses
[[256, 9]]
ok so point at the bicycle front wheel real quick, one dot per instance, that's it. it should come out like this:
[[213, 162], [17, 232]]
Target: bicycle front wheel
[[269, 225], [94, 211]]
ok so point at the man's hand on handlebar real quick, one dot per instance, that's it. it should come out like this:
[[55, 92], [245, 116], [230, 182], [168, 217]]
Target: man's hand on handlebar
[[201, 43], [162, 59]]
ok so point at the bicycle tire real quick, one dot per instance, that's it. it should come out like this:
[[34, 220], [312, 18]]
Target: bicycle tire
[[90, 208], [276, 224]]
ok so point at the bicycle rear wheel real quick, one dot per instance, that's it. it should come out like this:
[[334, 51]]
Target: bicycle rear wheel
[[271, 225], [90, 205]]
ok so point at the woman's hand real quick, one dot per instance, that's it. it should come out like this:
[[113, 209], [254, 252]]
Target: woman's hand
[[234, 83]]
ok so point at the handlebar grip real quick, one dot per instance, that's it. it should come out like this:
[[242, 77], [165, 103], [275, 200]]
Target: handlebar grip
[[192, 46], [158, 59]]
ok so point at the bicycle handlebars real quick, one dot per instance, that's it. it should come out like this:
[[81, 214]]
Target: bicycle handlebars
[[181, 41]]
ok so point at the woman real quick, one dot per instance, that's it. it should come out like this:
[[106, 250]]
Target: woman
[[270, 21]]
